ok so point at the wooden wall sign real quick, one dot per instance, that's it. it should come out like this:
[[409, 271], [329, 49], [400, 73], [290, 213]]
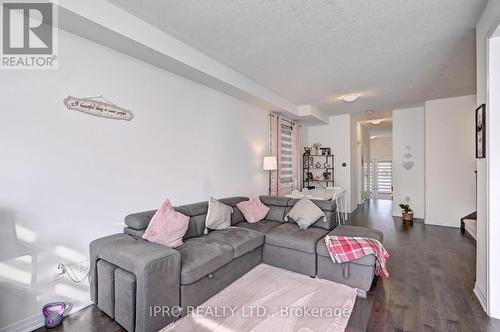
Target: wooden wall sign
[[98, 107]]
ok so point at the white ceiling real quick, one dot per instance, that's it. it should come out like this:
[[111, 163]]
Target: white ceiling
[[394, 52]]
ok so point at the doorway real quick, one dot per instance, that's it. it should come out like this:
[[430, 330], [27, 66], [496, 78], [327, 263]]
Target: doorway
[[380, 168]]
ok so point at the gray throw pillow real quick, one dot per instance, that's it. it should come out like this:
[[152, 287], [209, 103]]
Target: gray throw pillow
[[305, 213], [218, 215]]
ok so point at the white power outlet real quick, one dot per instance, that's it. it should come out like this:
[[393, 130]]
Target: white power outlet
[[59, 274]]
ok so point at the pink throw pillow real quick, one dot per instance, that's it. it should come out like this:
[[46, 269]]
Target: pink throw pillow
[[167, 227], [253, 209]]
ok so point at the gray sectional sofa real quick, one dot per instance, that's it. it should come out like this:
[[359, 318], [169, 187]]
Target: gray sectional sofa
[[145, 286]]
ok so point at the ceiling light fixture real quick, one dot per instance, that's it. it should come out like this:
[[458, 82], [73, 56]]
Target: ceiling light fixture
[[373, 137], [370, 111], [376, 122], [349, 98]]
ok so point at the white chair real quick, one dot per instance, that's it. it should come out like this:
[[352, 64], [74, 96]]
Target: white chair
[[339, 197]]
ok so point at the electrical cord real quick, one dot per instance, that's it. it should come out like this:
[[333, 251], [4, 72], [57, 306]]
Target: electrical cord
[[68, 270]]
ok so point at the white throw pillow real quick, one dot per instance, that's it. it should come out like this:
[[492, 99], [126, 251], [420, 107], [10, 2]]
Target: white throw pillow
[[218, 215], [305, 213]]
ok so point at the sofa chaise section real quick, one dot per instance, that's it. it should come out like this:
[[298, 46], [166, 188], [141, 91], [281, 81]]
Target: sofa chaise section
[[358, 273], [157, 276], [289, 247]]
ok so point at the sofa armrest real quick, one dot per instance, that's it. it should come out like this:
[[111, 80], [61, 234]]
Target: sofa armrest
[[157, 272]]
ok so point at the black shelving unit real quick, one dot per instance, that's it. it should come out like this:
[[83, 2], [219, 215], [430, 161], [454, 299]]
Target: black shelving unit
[[308, 166]]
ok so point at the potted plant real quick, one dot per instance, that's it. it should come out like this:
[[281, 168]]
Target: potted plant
[[407, 212]]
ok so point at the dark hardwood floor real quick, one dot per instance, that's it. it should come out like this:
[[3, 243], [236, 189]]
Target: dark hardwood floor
[[430, 289]]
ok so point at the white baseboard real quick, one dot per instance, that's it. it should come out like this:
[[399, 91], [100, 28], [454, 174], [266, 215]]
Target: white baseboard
[[480, 296], [471, 227], [25, 325], [34, 322]]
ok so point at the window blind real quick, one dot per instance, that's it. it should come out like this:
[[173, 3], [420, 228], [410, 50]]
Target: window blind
[[381, 176], [286, 157]]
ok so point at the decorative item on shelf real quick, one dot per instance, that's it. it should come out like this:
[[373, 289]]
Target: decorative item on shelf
[[481, 132], [407, 212], [310, 176], [327, 165], [318, 164], [327, 175], [307, 150], [316, 147], [326, 151], [98, 106]]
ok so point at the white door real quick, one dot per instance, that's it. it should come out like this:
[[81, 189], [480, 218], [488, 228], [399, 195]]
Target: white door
[[381, 179]]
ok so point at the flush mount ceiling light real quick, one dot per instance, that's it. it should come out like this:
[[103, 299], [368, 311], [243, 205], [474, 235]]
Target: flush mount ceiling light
[[349, 98], [373, 137], [376, 122], [370, 111]]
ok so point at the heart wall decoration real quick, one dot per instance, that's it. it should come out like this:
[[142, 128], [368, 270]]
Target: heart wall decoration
[[408, 164]]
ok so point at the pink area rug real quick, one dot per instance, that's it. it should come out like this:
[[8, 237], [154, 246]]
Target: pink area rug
[[271, 299]]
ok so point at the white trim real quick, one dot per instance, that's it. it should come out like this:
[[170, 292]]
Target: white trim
[[36, 321], [480, 296], [27, 324]]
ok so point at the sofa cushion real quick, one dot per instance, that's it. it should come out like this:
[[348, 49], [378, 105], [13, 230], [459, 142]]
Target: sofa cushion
[[237, 216], [167, 227], [139, 220], [197, 213], [262, 226], [242, 240], [290, 236], [200, 256], [305, 213], [277, 207], [253, 209], [218, 215], [354, 231]]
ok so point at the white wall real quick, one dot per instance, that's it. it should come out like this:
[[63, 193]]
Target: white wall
[[336, 135], [488, 296], [450, 182], [408, 130], [381, 148], [68, 178]]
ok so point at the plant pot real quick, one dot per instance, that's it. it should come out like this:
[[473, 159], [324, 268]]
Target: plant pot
[[408, 216]]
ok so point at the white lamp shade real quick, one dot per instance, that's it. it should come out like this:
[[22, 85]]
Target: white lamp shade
[[270, 163]]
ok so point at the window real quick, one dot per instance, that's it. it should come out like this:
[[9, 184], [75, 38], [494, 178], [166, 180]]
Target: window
[[381, 178], [284, 144], [286, 157]]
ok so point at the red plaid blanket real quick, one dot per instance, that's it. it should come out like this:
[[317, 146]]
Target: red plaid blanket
[[345, 249]]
